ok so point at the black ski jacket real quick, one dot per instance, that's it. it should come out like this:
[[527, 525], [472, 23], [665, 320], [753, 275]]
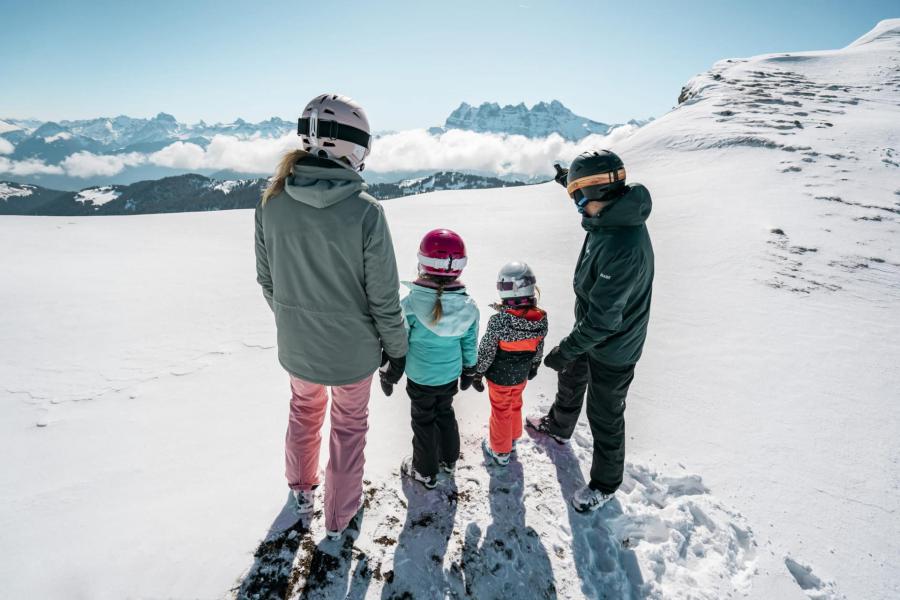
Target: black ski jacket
[[613, 282]]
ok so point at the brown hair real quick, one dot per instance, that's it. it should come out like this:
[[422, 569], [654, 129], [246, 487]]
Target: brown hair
[[438, 311], [442, 281], [284, 169]]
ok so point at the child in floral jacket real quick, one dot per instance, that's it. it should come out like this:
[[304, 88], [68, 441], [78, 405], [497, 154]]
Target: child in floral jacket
[[509, 356]]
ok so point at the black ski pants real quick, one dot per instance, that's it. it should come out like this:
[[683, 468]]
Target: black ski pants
[[607, 388], [435, 432]]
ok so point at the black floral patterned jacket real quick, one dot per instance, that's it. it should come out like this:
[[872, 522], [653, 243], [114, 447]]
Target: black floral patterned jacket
[[513, 345]]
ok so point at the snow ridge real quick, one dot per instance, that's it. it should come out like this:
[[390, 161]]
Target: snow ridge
[[820, 118]]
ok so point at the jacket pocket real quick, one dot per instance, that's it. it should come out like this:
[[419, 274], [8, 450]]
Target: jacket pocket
[[336, 344]]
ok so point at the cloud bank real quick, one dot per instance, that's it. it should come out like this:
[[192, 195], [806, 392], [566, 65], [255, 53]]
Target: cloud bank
[[254, 155], [413, 150], [30, 166], [417, 150], [87, 164]]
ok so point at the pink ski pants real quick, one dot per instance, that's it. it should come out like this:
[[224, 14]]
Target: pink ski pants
[[346, 458]]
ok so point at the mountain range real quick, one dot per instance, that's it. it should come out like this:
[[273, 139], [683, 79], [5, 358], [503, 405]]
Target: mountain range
[[193, 192], [75, 154], [540, 120], [53, 141]]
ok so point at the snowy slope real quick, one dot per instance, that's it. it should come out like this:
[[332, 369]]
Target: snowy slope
[[98, 196], [13, 190], [143, 409]]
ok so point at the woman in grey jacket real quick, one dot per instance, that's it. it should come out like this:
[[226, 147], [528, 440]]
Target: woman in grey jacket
[[325, 261]]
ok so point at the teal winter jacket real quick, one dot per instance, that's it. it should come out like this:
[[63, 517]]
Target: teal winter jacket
[[439, 351]]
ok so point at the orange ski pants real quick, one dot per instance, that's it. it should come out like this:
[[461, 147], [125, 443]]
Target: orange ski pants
[[506, 415]]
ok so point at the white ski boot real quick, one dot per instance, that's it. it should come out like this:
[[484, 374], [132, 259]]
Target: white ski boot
[[304, 501], [501, 458], [541, 424], [407, 468], [586, 499]]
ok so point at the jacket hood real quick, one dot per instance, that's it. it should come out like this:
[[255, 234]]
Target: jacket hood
[[322, 183], [525, 323], [460, 311], [628, 210]]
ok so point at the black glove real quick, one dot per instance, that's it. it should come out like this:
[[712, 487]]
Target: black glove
[[468, 375], [533, 372], [391, 368], [562, 175], [390, 372], [478, 383], [556, 361]]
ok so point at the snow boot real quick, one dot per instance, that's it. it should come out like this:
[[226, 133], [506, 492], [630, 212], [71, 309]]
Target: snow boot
[[304, 501], [586, 499], [541, 424], [352, 527], [407, 468], [501, 458], [448, 468]]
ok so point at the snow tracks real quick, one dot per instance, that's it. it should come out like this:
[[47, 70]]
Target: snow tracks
[[490, 532]]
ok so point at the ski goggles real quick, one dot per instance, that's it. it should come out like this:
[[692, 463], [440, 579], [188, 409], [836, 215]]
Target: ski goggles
[[598, 179], [317, 128], [507, 286], [443, 264]]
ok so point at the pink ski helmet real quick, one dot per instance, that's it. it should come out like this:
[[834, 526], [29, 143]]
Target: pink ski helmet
[[443, 253]]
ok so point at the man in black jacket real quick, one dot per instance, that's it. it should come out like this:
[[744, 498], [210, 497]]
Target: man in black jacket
[[613, 285]]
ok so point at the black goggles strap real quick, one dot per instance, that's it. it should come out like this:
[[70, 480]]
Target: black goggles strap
[[335, 130]]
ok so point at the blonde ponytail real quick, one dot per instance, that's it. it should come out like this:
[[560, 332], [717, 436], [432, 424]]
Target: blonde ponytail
[[285, 168], [438, 311]]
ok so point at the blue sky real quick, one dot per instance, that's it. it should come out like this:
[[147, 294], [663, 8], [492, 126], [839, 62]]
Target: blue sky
[[408, 63]]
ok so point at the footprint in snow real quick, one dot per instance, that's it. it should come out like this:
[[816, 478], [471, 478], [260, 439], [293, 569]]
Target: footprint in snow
[[810, 583]]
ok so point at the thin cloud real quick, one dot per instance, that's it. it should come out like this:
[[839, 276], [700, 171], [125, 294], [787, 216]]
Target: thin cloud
[[30, 166], [87, 164]]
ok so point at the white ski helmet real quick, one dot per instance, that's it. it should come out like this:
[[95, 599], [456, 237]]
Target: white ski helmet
[[516, 283], [336, 127]]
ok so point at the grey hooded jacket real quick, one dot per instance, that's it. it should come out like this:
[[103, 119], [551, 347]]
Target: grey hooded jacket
[[325, 261]]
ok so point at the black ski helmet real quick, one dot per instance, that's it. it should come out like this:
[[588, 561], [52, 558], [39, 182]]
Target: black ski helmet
[[593, 175]]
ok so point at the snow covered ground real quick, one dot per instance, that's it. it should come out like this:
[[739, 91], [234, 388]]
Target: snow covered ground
[[143, 410]]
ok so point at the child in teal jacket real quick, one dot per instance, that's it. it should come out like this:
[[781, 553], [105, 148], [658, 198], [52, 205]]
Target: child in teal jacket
[[442, 322]]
